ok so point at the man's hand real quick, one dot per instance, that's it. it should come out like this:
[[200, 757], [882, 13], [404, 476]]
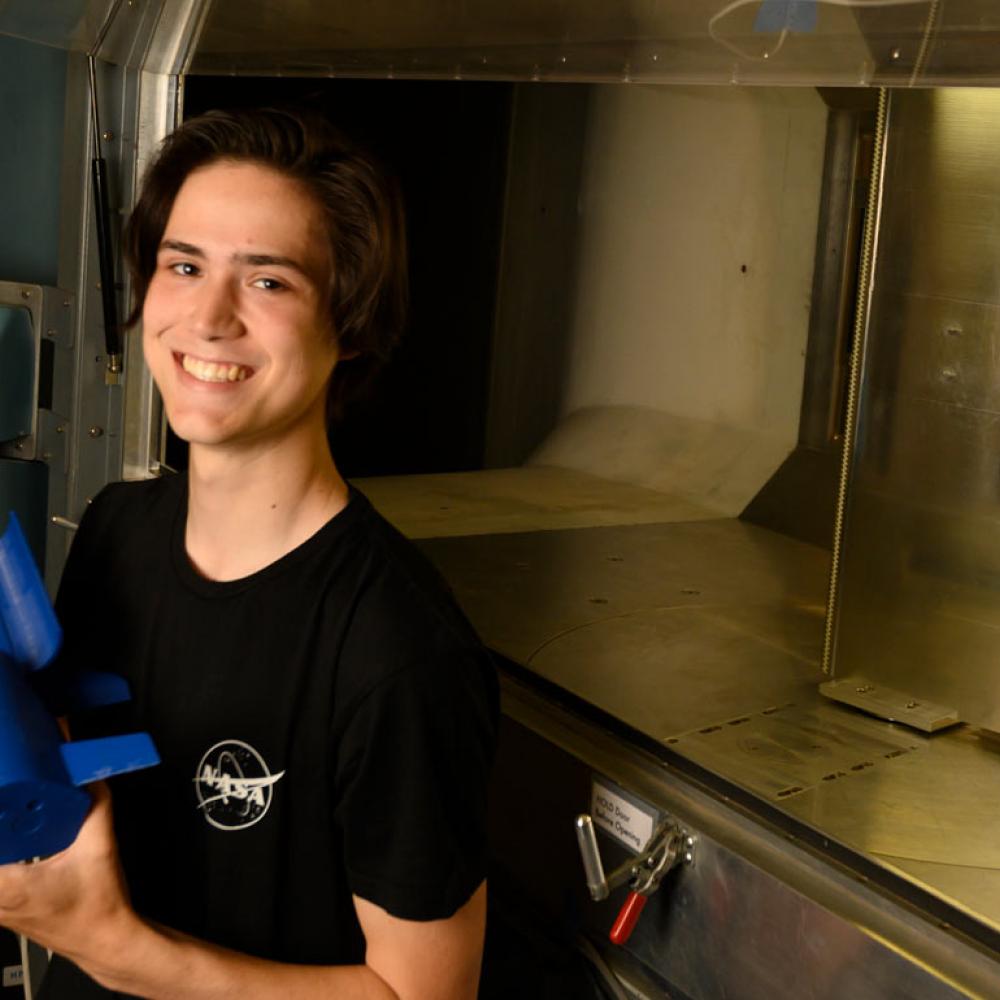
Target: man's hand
[[74, 902]]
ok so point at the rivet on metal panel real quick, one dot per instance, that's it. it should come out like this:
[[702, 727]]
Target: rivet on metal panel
[[865, 688], [50, 334], [949, 374], [913, 704], [107, 135], [60, 428], [895, 54], [25, 293], [953, 330], [96, 432]]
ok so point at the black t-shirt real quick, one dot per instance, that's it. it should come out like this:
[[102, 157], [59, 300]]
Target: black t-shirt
[[326, 727]]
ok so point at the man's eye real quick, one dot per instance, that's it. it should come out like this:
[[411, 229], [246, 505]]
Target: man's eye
[[269, 284], [185, 268]]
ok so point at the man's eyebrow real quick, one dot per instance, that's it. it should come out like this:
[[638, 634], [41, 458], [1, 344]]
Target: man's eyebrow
[[180, 247], [270, 260], [252, 259]]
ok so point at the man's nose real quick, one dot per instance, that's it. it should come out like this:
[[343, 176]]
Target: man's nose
[[214, 314]]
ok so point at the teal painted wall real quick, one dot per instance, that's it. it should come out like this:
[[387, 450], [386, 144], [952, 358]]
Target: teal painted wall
[[32, 102]]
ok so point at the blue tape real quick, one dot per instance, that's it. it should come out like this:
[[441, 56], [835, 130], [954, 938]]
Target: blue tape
[[797, 16]]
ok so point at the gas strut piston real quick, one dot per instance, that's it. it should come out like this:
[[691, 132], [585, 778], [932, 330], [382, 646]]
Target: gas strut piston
[[668, 847]]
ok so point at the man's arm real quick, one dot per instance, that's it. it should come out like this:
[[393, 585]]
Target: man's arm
[[76, 904]]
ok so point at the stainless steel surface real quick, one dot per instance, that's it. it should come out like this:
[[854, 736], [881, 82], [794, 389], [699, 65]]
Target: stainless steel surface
[[667, 626], [703, 41], [707, 636], [529, 498], [756, 916], [782, 752], [890, 704], [919, 601]]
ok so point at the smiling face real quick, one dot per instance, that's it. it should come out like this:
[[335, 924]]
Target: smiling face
[[236, 329]]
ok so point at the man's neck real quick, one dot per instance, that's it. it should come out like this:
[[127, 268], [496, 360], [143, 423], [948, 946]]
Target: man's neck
[[247, 508]]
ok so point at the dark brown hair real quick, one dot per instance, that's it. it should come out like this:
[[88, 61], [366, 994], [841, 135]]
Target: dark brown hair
[[364, 222]]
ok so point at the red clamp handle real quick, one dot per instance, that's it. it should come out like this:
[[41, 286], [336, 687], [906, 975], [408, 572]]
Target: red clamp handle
[[628, 917]]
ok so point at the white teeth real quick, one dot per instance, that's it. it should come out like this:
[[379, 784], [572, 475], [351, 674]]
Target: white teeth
[[209, 371]]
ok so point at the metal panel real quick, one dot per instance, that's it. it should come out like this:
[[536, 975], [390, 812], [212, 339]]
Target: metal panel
[[702, 41], [919, 598], [755, 915], [706, 636]]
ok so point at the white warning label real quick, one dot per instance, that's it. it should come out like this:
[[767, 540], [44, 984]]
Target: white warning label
[[13, 975], [624, 819]]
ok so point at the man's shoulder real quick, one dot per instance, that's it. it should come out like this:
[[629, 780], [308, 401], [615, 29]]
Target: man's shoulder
[[402, 583], [405, 617], [124, 516], [135, 499]]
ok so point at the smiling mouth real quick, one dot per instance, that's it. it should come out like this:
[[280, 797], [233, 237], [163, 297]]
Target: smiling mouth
[[213, 371]]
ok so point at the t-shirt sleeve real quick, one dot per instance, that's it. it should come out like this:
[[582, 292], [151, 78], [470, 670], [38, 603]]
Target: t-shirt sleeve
[[412, 783]]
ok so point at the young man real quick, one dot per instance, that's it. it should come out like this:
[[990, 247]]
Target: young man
[[324, 713]]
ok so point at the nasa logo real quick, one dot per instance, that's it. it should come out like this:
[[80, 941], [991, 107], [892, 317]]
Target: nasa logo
[[234, 786]]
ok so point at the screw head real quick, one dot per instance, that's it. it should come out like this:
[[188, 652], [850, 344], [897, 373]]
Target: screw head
[[107, 135], [96, 432], [895, 54]]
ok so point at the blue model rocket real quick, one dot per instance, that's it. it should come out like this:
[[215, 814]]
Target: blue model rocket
[[42, 803]]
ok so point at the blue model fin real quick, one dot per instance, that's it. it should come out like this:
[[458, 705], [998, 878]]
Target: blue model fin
[[94, 760], [92, 689], [29, 631]]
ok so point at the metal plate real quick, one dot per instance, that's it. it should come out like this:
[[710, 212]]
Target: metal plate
[[785, 751], [676, 628]]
